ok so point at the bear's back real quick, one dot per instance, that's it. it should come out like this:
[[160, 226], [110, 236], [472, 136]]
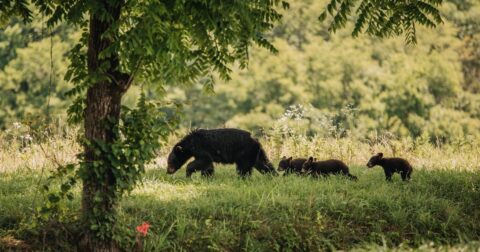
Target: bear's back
[[223, 145], [399, 163], [331, 166]]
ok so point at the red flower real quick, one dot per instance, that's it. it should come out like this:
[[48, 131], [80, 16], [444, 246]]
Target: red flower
[[143, 229]]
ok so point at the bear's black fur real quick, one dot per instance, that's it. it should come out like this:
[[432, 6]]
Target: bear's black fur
[[326, 167], [226, 146], [392, 165], [290, 165]]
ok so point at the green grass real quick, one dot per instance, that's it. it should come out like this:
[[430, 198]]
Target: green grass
[[437, 209]]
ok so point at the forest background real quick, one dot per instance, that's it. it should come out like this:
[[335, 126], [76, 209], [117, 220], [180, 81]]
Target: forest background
[[318, 84]]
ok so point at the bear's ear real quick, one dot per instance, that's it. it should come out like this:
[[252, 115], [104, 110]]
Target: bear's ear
[[310, 159], [290, 159], [380, 154], [284, 157], [178, 148], [315, 159]]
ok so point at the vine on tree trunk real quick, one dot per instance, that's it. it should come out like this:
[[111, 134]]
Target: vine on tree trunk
[[139, 134]]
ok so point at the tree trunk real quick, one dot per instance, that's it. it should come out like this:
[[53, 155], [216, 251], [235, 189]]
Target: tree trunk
[[103, 105]]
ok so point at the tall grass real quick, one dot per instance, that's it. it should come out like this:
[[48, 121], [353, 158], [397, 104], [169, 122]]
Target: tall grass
[[22, 148], [438, 209], [422, 154], [62, 146]]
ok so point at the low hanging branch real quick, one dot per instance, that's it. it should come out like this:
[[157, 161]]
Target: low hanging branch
[[383, 18]]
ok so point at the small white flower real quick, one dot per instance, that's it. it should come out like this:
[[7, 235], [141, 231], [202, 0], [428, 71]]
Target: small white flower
[[17, 125], [28, 137]]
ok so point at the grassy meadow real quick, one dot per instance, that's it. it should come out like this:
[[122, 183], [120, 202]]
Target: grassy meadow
[[437, 210], [323, 94]]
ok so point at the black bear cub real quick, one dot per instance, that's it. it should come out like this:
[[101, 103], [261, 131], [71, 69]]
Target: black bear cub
[[290, 165], [391, 165], [326, 167]]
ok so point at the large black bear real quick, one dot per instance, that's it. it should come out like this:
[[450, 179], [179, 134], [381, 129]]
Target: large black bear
[[326, 167], [226, 146], [391, 165]]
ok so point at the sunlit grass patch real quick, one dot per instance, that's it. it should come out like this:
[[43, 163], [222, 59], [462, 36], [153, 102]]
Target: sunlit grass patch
[[263, 213], [164, 191]]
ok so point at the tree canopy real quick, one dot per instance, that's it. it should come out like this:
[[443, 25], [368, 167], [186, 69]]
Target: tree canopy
[[361, 85]]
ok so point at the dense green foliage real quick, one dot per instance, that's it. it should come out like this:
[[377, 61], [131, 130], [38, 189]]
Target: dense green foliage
[[360, 85], [32, 65]]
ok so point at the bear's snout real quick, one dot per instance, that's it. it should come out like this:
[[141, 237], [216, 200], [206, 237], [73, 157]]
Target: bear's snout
[[171, 170]]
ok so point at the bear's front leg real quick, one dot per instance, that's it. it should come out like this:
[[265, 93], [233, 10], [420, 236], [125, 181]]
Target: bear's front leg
[[203, 165], [409, 174], [206, 166], [192, 167]]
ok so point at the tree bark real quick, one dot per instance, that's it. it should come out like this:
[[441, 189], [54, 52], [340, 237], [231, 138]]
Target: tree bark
[[103, 105]]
